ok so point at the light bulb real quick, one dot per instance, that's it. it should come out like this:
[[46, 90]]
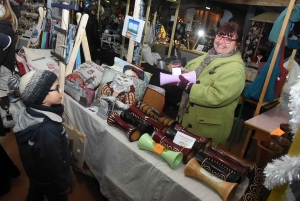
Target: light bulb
[[200, 32]]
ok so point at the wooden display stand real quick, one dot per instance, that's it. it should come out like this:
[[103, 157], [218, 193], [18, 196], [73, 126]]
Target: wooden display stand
[[77, 140], [66, 69]]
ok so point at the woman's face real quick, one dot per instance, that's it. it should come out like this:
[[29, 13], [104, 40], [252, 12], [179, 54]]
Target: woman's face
[[222, 46]]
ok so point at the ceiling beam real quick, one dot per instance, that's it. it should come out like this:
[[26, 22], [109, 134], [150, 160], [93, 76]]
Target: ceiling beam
[[282, 3]]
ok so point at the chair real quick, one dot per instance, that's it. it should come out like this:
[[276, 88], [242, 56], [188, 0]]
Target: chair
[[237, 120]]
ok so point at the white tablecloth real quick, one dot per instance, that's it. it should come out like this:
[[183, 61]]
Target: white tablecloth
[[127, 173]]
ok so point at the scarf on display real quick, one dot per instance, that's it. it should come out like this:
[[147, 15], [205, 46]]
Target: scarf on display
[[211, 55]]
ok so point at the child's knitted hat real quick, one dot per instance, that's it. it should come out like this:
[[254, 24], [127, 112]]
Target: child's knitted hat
[[35, 85]]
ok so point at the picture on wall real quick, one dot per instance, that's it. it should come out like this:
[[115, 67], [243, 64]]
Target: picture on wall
[[133, 28]]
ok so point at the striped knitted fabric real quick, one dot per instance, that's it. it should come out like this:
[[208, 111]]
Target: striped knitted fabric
[[35, 85]]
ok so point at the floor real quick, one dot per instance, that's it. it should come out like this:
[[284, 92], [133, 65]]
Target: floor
[[87, 188]]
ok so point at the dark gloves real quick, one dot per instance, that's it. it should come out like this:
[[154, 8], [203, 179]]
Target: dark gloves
[[185, 84]]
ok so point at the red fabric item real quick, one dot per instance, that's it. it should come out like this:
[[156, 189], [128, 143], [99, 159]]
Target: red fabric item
[[283, 72], [279, 83], [22, 63]]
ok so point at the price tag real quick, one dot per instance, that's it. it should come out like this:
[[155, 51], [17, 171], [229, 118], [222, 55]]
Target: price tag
[[158, 148], [184, 140], [277, 131]]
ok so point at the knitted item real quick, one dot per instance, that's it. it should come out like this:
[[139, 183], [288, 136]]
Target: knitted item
[[35, 86], [185, 84]]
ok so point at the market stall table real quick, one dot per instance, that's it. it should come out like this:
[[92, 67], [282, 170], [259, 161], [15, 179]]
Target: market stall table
[[127, 173], [263, 124]]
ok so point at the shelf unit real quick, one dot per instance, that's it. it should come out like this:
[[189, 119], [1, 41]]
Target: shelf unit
[[108, 38]]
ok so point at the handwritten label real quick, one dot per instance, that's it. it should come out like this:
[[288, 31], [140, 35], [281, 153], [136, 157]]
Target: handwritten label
[[158, 148], [184, 140], [277, 131]]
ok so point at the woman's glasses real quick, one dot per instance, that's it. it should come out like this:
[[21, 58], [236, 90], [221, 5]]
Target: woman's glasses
[[227, 39], [55, 89]]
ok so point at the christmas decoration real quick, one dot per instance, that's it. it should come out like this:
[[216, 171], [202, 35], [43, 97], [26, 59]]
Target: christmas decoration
[[287, 168], [282, 170], [294, 106]]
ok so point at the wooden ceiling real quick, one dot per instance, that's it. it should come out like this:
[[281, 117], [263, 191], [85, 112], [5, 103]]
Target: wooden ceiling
[[282, 3]]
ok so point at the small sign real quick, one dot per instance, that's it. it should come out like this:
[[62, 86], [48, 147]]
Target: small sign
[[277, 131], [176, 71], [184, 140], [200, 48], [133, 28], [158, 148]]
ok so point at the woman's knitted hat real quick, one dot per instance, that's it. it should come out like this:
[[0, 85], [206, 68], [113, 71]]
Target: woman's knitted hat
[[35, 85]]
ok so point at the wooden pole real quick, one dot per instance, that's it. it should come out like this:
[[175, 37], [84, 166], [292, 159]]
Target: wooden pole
[[98, 10], [123, 37], [62, 66], [131, 42], [174, 27], [278, 44]]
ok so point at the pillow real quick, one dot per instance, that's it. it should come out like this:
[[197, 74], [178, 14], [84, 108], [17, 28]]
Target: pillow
[[36, 54], [82, 83], [133, 71], [147, 77], [91, 73], [120, 64], [146, 54], [44, 64], [134, 91]]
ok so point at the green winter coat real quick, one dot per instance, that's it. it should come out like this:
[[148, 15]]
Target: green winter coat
[[212, 103]]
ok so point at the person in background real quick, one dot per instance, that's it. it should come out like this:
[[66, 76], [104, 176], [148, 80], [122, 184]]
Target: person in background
[[8, 26], [7, 170], [92, 33], [207, 107], [42, 139]]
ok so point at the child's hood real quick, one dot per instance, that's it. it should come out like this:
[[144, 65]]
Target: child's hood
[[26, 122]]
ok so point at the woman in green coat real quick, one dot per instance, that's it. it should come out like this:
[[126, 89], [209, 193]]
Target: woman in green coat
[[207, 107]]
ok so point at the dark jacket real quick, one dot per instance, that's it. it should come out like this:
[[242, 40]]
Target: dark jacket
[[4, 40], [43, 147], [92, 34], [7, 57]]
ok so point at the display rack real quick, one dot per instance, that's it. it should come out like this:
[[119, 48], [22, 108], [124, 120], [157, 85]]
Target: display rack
[[108, 38], [66, 68]]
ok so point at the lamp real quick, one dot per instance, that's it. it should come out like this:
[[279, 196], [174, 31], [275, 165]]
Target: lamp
[[200, 33]]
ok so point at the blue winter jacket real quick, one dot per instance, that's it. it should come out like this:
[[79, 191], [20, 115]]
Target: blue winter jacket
[[43, 147]]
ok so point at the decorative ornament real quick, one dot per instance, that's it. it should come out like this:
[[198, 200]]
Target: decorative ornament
[[142, 8], [287, 169], [248, 59], [138, 47], [137, 53], [248, 42], [259, 57], [282, 170], [294, 106]]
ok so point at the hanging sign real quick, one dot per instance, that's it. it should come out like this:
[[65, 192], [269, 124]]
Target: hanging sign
[[133, 28]]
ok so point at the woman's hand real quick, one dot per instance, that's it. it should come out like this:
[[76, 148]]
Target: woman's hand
[[185, 84], [183, 70]]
